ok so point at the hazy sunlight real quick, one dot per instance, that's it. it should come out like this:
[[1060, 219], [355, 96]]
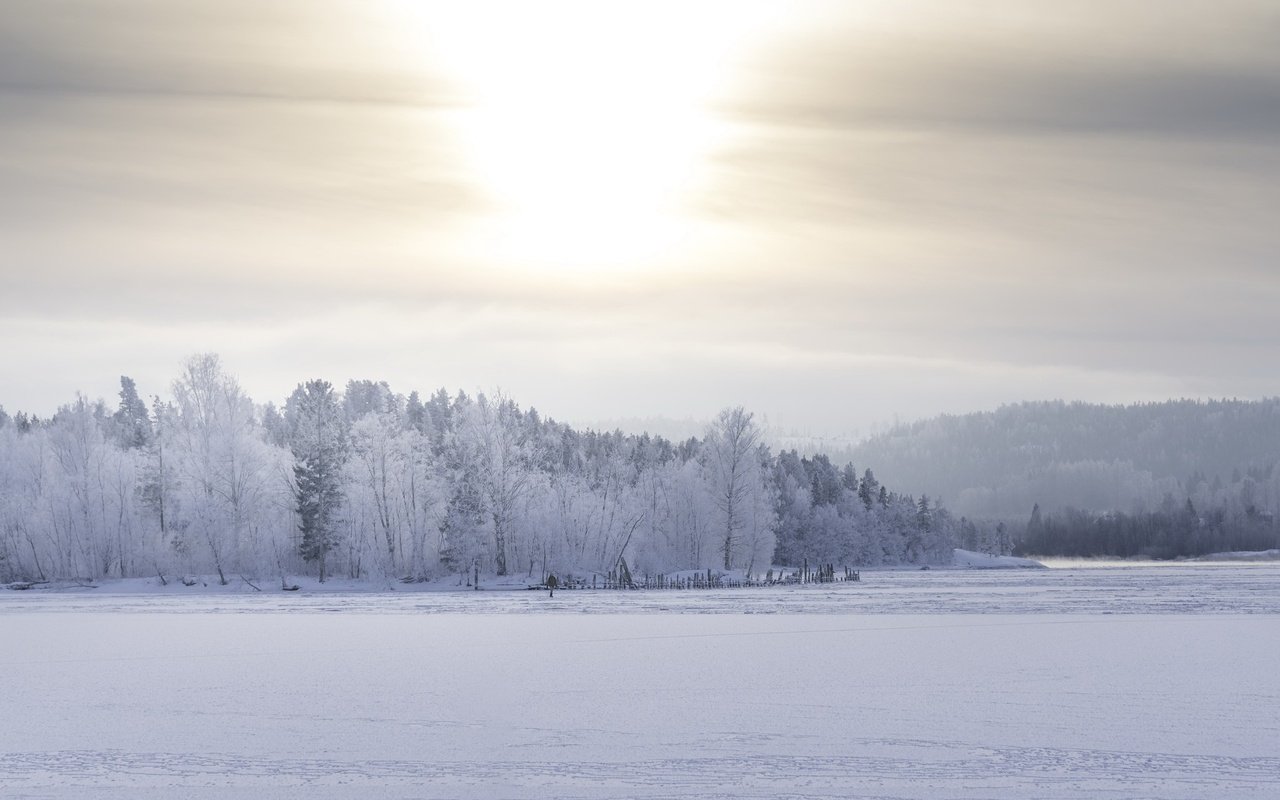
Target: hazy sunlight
[[588, 125]]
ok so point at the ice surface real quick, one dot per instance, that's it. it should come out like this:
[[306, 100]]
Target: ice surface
[[325, 696]]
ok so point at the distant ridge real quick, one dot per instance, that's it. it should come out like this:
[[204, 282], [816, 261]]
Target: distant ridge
[[997, 464]]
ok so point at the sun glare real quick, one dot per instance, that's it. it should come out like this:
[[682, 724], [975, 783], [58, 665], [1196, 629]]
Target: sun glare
[[588, 124]]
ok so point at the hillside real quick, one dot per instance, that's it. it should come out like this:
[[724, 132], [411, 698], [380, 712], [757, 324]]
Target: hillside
[[998, 464]]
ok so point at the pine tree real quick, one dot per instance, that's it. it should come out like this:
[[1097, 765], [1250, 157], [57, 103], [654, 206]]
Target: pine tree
[[318, 441], [869, 489], [461, 529], [157, 474], [415, 413], [849, 478], [132, 424], [1004, 546]]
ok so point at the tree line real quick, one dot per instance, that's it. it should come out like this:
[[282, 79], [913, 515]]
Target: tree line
[[1226, 520], [372, 484]]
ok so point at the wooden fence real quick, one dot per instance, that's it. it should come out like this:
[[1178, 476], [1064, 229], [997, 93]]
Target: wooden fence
[[622, 578]]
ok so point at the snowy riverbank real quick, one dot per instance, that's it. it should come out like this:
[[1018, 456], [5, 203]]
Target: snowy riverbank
[[186, 585], [1187, 588]]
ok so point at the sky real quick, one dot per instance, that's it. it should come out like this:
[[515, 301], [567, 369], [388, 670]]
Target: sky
[[837, 214]]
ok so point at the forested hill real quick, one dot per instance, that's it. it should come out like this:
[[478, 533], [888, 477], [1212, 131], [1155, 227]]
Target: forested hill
[[998, 464], [368, 482]]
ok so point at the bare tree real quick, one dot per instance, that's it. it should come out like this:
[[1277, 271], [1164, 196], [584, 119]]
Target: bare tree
[[502, 457], [733, 473]]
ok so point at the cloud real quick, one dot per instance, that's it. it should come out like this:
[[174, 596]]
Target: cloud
[[1143, 68], [1071, 188], [291, 50], [919, 206]]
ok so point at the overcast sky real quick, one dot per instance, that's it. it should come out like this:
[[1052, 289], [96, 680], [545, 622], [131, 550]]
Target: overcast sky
[[832, 213]]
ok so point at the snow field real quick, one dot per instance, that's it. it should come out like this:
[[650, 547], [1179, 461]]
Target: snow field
[[335, 700]]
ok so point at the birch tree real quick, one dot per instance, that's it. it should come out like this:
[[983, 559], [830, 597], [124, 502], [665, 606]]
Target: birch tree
[[736, 484], [501, 459], [219, 460]]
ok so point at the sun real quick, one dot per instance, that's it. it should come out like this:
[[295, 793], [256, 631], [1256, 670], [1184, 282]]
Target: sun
[[588, 125]]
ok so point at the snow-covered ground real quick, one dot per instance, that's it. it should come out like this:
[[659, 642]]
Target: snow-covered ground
[[971, 560], [1174, 588], [1244, 555], [1139, 682]]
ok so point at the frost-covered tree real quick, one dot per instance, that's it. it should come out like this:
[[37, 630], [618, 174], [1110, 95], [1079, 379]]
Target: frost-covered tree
[[463, 532], [736, 483], [132, 421], [793, 507], [318, 440], [501, 457], [392, 489], [379, 485], [89, 493], [221, 463], [868, 489]]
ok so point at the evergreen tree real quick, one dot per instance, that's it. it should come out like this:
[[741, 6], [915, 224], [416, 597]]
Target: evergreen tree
[[869, 489], [275, 426], [1035, 525], [849, 478], [824, 480], [462, 528], [157, 475], [131, 422], [439, 420], [318, 442], [924, 516], [415, 413]]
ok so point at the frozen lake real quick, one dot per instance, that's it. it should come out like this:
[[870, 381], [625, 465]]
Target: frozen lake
[[1082, 683]]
